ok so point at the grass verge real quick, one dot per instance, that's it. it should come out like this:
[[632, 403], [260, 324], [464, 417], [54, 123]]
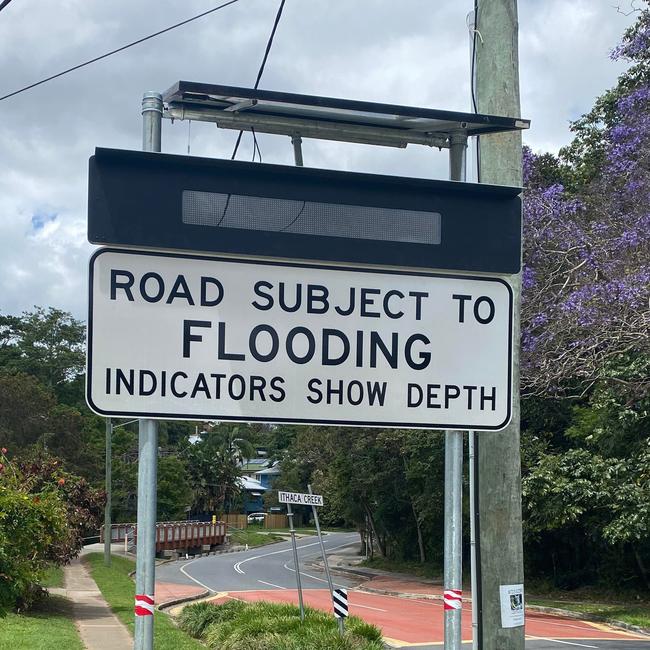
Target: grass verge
[[49, 625], [236, 625], [252, 537], [631, 613], [399, 566], [286, 531], [119, 591]]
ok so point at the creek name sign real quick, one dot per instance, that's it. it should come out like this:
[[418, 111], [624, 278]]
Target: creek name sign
[[180, 336], [300, 498]]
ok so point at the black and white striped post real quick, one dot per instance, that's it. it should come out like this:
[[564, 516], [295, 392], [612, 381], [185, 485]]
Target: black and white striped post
[[340, 601]]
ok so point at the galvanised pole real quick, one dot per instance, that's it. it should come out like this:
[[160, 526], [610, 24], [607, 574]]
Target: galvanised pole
[[145, 574], [295, 560], [453, 535], [328, 575], [107, 507]]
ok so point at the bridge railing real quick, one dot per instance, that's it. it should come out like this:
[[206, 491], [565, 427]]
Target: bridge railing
[[173, 535]]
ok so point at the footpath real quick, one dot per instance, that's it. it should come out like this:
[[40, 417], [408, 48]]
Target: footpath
[[98, 627]]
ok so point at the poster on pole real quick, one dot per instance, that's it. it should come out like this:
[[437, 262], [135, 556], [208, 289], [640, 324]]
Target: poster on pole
[[512, 605], [179, 336]]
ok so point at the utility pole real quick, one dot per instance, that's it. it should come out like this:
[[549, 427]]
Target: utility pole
[[498, 454]]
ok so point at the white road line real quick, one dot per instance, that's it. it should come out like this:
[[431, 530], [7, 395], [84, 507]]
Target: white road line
[[543, 638], [577, 627], [367, 607], [237, 566], [270, 584], [308, 575], [238, 569], [187, 575]]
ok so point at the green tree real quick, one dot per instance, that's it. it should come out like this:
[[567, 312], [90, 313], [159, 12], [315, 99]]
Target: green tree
[[214, 465], [174, 489], [49, 345]]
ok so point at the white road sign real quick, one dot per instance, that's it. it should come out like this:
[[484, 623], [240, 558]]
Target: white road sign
[[176, 336], [300, 499]]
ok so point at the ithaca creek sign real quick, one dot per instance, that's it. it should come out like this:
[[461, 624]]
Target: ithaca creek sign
[[176, 336], [300, 498]]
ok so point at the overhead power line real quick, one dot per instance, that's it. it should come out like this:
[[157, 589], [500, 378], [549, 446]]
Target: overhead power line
[[3, 4], [119, 49], [260, 72]]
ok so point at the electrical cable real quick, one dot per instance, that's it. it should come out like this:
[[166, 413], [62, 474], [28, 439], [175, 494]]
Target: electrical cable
[[260, 72], [477, 598], [4, 4], [119, 49], [473, 89]]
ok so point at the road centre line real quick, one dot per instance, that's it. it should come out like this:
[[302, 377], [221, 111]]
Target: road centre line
[[270, 584], [237, 566], [308, 575], [238, 569]]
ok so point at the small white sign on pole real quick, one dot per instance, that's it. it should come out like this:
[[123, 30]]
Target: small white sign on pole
[[512, 605], [297, 498], [174, 336]]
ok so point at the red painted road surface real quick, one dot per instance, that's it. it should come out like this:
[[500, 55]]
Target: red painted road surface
[[421, 621]]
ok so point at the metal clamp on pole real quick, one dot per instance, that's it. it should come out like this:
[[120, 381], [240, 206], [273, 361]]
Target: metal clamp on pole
[[296, 141], [152, 110]]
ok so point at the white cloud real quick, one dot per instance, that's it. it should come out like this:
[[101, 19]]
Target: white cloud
[[411, 52]]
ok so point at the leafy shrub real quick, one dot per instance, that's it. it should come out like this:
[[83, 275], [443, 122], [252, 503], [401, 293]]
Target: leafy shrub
[[43, 512], [194, 619], [236, 625]]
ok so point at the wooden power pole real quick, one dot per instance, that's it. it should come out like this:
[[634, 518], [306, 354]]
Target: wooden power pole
[[499, 466]]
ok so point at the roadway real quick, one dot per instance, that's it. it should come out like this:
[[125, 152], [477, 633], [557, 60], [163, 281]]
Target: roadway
[[268, 573], [261, 568]]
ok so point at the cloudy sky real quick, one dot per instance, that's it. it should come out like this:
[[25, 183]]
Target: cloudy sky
[[407, 52]]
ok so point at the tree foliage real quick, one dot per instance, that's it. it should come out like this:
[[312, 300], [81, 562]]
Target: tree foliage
[[585, 285], [44, 513], [46, 344]]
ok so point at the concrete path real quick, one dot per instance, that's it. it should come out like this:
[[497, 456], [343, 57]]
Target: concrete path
[[98, 627]]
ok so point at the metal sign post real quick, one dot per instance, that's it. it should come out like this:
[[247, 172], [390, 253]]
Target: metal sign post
[[108, 532], [145, 569], [325, 562], [453, 535], [295, 561]]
